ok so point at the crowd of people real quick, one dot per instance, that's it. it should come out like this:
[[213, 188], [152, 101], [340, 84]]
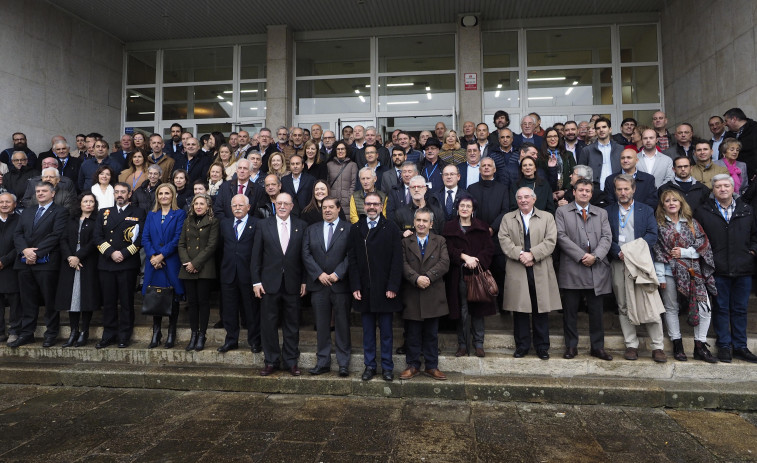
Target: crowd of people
[[563, 218]]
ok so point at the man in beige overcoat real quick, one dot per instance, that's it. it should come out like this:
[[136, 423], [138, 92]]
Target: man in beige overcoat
[[584, 237], [528, 237]]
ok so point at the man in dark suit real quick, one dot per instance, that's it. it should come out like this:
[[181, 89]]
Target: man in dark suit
[[174, 146], [8, 276], [298, 184], [279, 281], [393, 173], [450, 193], [398, 195], [67, 165], [645, 190], [230, 188], [37, 240], [431, 166], [604, 155], [122, 156], [237, 233], [118, 236], [528, 135], [192, 160], [324, 254], [469, 170]]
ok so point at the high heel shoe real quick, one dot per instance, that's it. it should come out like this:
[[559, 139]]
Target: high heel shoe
[[200, 341], [83, 338], [156, 337], [71, 339], [171, 339], [192, 342]]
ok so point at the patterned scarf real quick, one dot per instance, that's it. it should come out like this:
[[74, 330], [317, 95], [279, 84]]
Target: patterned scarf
[[693, 277]]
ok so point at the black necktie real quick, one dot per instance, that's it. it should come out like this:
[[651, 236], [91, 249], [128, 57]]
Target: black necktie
[[448, 204], [422, 245], [38, 215]]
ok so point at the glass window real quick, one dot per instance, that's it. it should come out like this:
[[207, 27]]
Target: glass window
[[252, 100], [145, 130], [140, 68], [419, 53], [566, 47], [333, 57], [140, 104], [417, 93], [501, 90], [197, 65], [643, 117], [197, 102], [500, 49], [414, 124], [570, 87], [223, 127], [641, 84], [334, 96], [253, 61], [638, 43]]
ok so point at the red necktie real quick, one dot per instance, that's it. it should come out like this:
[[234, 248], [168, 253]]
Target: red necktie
[[241, 190], [583, 214]]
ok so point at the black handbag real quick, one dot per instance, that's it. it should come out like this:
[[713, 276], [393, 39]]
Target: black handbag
[[157, 301]]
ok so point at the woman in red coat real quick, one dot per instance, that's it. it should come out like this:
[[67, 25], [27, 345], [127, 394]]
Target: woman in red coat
[[469, 244]]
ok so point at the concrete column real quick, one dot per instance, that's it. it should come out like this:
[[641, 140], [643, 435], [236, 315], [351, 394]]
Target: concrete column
[[280, 54], [469, 61]]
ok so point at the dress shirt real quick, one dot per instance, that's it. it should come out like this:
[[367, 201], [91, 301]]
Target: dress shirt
[[473, 174], [296, 182], [238, 229], [606, 163], [326, 231], [527, 219]]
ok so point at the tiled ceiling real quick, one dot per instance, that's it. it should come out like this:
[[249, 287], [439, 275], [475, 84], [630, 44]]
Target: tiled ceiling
[[140, 20]]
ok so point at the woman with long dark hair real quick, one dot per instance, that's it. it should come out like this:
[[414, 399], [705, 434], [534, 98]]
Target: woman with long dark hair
[[555, 159], [79, 271], [342, 175], [161, 240], [530, 177]]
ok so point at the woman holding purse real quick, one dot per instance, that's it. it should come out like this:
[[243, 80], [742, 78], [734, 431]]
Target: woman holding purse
[[160, 240], [470, 248], [197, 245], [79, 270]]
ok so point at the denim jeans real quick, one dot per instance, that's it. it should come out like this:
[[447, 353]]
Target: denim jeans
[[729, 313]]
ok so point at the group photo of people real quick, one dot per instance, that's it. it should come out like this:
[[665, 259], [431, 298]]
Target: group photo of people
[[428, 231]]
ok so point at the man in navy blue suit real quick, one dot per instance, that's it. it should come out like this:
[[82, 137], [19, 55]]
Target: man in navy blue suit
[[238, 233], [528, 126]]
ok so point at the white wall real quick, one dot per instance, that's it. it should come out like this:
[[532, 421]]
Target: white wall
[[709, 59], [58, 75]]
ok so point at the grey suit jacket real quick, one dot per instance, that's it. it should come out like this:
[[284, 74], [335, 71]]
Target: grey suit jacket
[[317, 259], [662, 171]]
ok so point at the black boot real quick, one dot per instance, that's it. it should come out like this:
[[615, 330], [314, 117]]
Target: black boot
[[192, 342], [72, 338], [702, 353], [678, 352], [157, 335], [200, 341], [83, 338], [172, 320]]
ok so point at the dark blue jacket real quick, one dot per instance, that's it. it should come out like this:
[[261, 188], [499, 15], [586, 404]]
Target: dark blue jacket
[[644, 226], [645, 189], [163, 239]]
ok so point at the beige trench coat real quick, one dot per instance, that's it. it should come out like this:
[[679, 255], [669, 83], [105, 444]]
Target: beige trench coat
[[642, 298], [543, 239]]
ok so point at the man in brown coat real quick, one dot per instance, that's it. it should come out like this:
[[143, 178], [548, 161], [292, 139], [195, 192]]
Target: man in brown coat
[[584, 236], [425, 262], [528, 237]]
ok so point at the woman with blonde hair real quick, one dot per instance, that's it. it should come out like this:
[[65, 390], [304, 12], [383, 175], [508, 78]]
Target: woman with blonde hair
[[160, 240], [277, 164], [227, 159], [684, 264], [451, 152]]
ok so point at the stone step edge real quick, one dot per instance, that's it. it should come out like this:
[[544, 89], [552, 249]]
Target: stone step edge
[[725, 395]]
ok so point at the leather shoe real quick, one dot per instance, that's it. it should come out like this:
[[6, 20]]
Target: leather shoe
[[659, 356], [744, 354], [103, 343], [294, 370], [319, 370], [461, 352], [21, 340], [570, 353], [435, 373], [724, 354], [344, 372], [228, 346], [123, 344], [368, 374], [256, 349], [542, 354], [632, 353], [480, 352], [520, 353], [268, 369], [49, 342], [410, 373], [402, 350], [388, 375], [601, 354]]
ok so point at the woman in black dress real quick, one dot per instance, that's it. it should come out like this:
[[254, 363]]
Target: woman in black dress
[[78, 286]]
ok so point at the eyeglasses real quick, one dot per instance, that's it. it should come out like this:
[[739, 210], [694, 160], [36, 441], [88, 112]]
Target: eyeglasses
[[372, 204]]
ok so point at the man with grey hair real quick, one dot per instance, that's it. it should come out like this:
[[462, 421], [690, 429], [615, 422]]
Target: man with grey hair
[[358, 137], [9, 294], [598, 197], [144, 196], [65, 196], [282, 138], [49, 153], [192, 160], [329, 139], [528, 127], [399, 194], [67, 165], [242, 185], [370, 140], [730, 225], [404, 216]]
